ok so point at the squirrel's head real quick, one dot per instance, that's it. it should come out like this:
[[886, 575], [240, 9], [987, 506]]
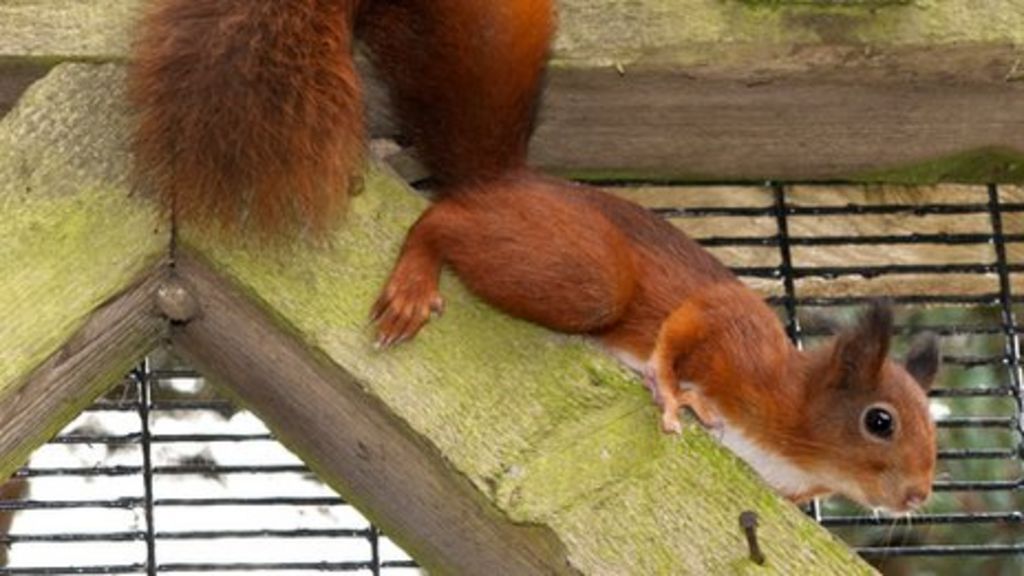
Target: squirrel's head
[[869, 415]]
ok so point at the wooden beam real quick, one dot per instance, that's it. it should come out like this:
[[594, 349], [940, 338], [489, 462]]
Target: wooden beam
[[72, 237], [78, 256], [547, 431], [100, 353], [354, 441], [699, 90], [868, 119]]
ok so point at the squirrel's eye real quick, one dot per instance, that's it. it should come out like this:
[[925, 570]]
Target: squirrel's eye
[[879, 422]]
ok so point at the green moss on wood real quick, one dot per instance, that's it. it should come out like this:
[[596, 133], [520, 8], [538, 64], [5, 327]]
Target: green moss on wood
[[547, 428], [72, 235], [66, 29], [52, 423], [696, 31], [598, 32], [999, 165], [984, 165]]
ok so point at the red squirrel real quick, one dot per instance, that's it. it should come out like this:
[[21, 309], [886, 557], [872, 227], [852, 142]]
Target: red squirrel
[[250, 115]]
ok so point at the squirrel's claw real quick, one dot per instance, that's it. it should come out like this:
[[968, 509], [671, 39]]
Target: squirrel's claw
[[402, 310]]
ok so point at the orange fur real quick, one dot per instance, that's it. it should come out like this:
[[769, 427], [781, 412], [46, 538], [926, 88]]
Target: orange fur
[[249, 110], [465, 76], [250, 115], [577, 260]]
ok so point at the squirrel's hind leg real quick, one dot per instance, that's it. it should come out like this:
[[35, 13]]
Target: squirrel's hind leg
[[532, 248], [525, 245]]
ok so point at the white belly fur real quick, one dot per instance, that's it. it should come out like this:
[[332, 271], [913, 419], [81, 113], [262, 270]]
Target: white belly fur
[[631, 361], [777, 471]]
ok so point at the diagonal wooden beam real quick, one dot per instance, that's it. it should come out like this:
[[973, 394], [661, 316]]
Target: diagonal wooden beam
[[110, 341], [353, 440], [526, 451]]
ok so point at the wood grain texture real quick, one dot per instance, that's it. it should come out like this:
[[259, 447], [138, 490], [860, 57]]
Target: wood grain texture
[[35, 406], [72, 245], [55, 30], [705, 89], [354, 441], [72, 236], [652, 123]]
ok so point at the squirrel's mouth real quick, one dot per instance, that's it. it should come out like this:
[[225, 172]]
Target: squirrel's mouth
[[894, 507]]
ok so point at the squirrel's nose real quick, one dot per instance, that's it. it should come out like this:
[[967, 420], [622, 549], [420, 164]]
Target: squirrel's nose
[[915, 497]]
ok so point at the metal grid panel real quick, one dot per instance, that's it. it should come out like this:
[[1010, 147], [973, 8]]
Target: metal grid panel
[[974, 522], [163, 475], [976, 518]]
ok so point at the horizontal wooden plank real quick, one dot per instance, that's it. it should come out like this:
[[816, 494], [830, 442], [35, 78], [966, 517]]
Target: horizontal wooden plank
[[55, 30], [868, 255], [1015, 252], [892, 285], [888, 224], [697, 196], [764, 286], [703, 227], [747, 256], [666, 124], [701, 90], [884, 195], [1011, 194]]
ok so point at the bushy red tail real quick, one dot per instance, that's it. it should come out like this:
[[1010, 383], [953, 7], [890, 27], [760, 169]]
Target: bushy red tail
[[249, 110], [464, 77]]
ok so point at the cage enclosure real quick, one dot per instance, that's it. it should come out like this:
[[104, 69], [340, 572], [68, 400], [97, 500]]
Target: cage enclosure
[[828, 152]]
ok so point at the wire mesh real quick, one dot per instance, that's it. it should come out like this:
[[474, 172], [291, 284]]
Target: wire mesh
[[164, 475], [952, 263], [951, 267]]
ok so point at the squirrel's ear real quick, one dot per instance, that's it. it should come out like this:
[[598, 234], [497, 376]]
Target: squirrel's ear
[[861, 350], [923, 359]]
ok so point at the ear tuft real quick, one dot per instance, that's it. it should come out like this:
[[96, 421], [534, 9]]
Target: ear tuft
[[876, 321], [923, 359], [862, 349]]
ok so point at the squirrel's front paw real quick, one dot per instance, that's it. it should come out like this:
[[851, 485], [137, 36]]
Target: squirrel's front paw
[[402, 309]]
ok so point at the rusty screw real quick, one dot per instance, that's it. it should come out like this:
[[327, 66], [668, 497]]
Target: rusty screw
[[748, 522]]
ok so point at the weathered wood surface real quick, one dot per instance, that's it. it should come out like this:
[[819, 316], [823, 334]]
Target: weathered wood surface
[[711, 89], [551, 432], [114, 337], [72, 242], [536, 440], [350, 438]]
